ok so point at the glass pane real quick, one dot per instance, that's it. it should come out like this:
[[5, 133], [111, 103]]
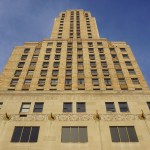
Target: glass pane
[[83, 134], [110, 106], [80, 107], [123, 107], [25, 134], [24, 110], [17, 134], [65, 136], [114, 134], [37, 110], [74, 134], [123, 134], [132, 134], [25, 105], [67, 107], [34, 134]]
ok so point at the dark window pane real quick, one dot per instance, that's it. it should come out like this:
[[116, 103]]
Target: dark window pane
[[132, 134], [34, 134], [67, 107], [148, 103], [38, 107], [74, 134], [80, 107], [123, 134], [25, 134], [17, 134], [65, 136], [83, 134], [110, 106], [123, 106], [114, 134]]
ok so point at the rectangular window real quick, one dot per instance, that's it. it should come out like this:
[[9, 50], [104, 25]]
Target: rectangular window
[[45, 64], [27, 81], [54, 82], [99, 44], [56, 64], [37, 50], [123, 106], [80, 107], [93, 64], [48, 50], [43, 72], [38, 107], [68, 72], [25, 107], [80, 81], [55, 72], [26, 50], [17, 73], [1, 104], [90, 44], [119, 71], [128, 63], [131, 71], [107, 81], [104, 64], [110, 107], [68, 81], [41, 82], [67, 107], [122, 49], [32, 64], [148, 104], [123, 134], [30, 72], [125, 56], [14, 82], [49, 44], [95, 82], [25, 134], [135, 81], [21, 64], [122, 81], [24, 57], [74, 134], [47, 57]]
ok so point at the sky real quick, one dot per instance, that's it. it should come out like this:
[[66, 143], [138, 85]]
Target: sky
[[118, 20]]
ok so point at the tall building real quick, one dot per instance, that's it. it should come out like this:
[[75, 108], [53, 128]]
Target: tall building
[[74, 90]]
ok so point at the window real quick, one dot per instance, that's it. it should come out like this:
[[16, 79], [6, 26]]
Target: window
[[91, 57], [116, 64], [17, 73], [25, 107], [41, 82], [110, 107], [148, 104], [48, 50], [68, 64], [119, 71], [25, 134], [131, 71], [32, 64], [102, 57], [47, 57], [104, 64], [80, 64], [93, 64], [1, 104], [37, 50], [122, 49], [128, 63], [105, 72], [43, 72], [122, 81], [135, 81], [49, 44], [45, 64], [14, 82], [67, 107], [21, 64], [95, 82], [24, 57], [30, 72], [90, 44], [58, 50], [125, 56], [91, 50], [68, 81], [94, 72], [80, 107], [27, 81], [55, 73], [114, 56], [74, 134], [54, 82], [123, 134], [80, 72], [107, 81], [38, 107], [68, 72], [57, 57], [69, 57], [59, 44], [26, 50], [80, 81], [56, 64], [123, 107], [99, 44], [112, 49]]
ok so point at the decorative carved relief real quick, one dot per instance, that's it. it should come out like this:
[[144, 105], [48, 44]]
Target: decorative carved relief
[[74, 117]]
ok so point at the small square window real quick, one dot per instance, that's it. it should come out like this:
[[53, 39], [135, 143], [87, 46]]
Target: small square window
[[55, 72], [24, 57], [80, 107], [128, 63], [43, 72], [110, 107], [25, 107], [14, 82], [45, 64], [107, 81], [80, 81], [135, 81], [38, 107], [30, 72], [27, 82], [54, 82], [49, 44], [17, 73], [67, 107], [21, 64], [41, 82], [99, 44], [122, 49], [26, 50], [131, 71], [95, 82], [48, 50], [123, 106], [47, 57]]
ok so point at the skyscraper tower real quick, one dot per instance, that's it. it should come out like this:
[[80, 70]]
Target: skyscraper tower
[[74, 90]]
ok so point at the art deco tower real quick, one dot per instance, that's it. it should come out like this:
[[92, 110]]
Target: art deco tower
[[74, 90]]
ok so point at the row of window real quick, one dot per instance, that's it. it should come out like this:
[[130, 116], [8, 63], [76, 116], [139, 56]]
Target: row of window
[[74, 134], [80, 106]]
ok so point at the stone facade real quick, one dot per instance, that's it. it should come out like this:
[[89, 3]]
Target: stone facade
[[74, 65]]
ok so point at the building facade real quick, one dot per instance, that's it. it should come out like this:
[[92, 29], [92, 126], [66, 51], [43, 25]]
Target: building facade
[[74, 90]]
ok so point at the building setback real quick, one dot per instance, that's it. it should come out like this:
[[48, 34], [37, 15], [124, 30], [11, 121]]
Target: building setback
[[74, 90]]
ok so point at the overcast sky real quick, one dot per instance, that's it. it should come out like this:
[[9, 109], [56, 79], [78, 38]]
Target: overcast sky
[[118, 20]]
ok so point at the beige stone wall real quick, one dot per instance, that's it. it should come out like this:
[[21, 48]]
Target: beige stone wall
[[98, 131]]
